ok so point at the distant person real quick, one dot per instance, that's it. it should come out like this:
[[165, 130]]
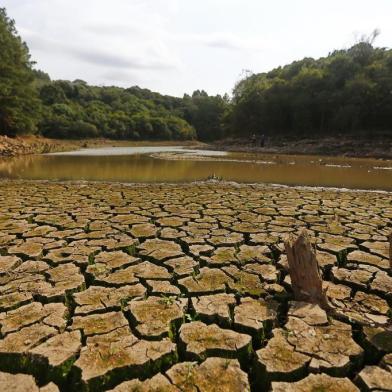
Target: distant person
[[262, 140], [253, 139]]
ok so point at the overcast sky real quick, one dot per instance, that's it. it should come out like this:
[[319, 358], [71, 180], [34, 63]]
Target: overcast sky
[[177, 46]]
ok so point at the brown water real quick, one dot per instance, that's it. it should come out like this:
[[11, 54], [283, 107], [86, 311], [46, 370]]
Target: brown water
[[170, 164]]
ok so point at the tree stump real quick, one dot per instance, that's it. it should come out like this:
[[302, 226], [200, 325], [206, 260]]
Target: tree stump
[[306, 281], [390, 251]]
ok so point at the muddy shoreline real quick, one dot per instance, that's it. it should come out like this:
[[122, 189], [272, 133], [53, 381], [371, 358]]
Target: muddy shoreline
[[27, 145], [351, 146]]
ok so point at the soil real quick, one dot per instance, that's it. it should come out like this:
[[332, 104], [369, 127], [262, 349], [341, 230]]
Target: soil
[[165, 287], [378, 146], [25, 145], [359, 146]]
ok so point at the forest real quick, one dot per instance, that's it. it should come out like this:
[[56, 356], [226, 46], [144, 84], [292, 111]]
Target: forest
[[347, 92]]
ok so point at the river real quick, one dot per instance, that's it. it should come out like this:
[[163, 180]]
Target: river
[[178, 164]]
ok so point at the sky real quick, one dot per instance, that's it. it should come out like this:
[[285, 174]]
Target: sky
[[178, 46]]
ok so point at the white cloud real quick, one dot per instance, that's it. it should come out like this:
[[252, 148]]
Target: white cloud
[[176, 46]]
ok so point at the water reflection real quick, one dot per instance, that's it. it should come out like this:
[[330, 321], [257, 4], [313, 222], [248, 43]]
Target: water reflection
[[290, 170]]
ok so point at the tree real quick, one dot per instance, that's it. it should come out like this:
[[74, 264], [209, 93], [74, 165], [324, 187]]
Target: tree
[[19, 104], [349, 91]]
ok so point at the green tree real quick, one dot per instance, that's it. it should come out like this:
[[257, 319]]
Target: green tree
[[19, 104], [349, 91]]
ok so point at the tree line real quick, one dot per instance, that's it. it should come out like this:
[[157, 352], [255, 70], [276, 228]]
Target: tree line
[[31, 103], [348, 91]]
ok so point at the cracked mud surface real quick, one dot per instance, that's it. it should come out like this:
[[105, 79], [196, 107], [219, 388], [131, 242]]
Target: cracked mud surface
[[186, 288]]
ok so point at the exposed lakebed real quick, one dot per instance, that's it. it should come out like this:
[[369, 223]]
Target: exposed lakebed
[[148, 287], [178, 164]]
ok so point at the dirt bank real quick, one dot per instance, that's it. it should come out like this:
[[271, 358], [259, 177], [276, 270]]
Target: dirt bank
[[30, 145], [350, 146], [25, 145]]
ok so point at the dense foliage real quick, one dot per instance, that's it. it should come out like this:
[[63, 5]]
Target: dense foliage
[[30, 102], [19, 104], [347, 91], [74, 109]]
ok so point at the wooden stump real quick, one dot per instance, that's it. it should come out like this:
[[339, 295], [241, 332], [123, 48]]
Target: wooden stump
[[390, 251], [306, 281]]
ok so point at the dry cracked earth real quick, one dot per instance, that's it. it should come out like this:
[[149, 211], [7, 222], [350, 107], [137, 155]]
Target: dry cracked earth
[[186, 288]]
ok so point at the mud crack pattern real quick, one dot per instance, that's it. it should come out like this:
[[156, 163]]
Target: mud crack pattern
[[186, 288]]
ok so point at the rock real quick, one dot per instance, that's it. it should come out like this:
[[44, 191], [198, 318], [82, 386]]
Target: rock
[[354, 278], [158, 383], [199, 341], [129, 275], [56, 355], [326, 260], [221, 256], [64, 279], [32, 267], [67, 255], [160, 250], [215, 308], [14, 300], [129, 219], [340, 250], [377, 341], [225, 239], [51, 387], [244, 283], [27, 250], [172, 221], [380, 248], [182, 266], [361, 257], [98, 299], [50, 314], [382, 285], [373, 378], [248, 254], [115, 260], [144, 230], [255, 317], [364, 309], [97, 324], [157, 317], [189, 376], [266, 272], [8, 263], [312, 314], [331, 347], [387, 362], [162, 287], [278, 361], [316, 382], [39, 231], [21, 341], [18, 383], [201, 250], [109, 358], [263, 239], [209, 281]]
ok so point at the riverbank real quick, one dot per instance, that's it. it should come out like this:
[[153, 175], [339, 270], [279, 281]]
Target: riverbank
[[361, 146], [346, 146], [26, 145]]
